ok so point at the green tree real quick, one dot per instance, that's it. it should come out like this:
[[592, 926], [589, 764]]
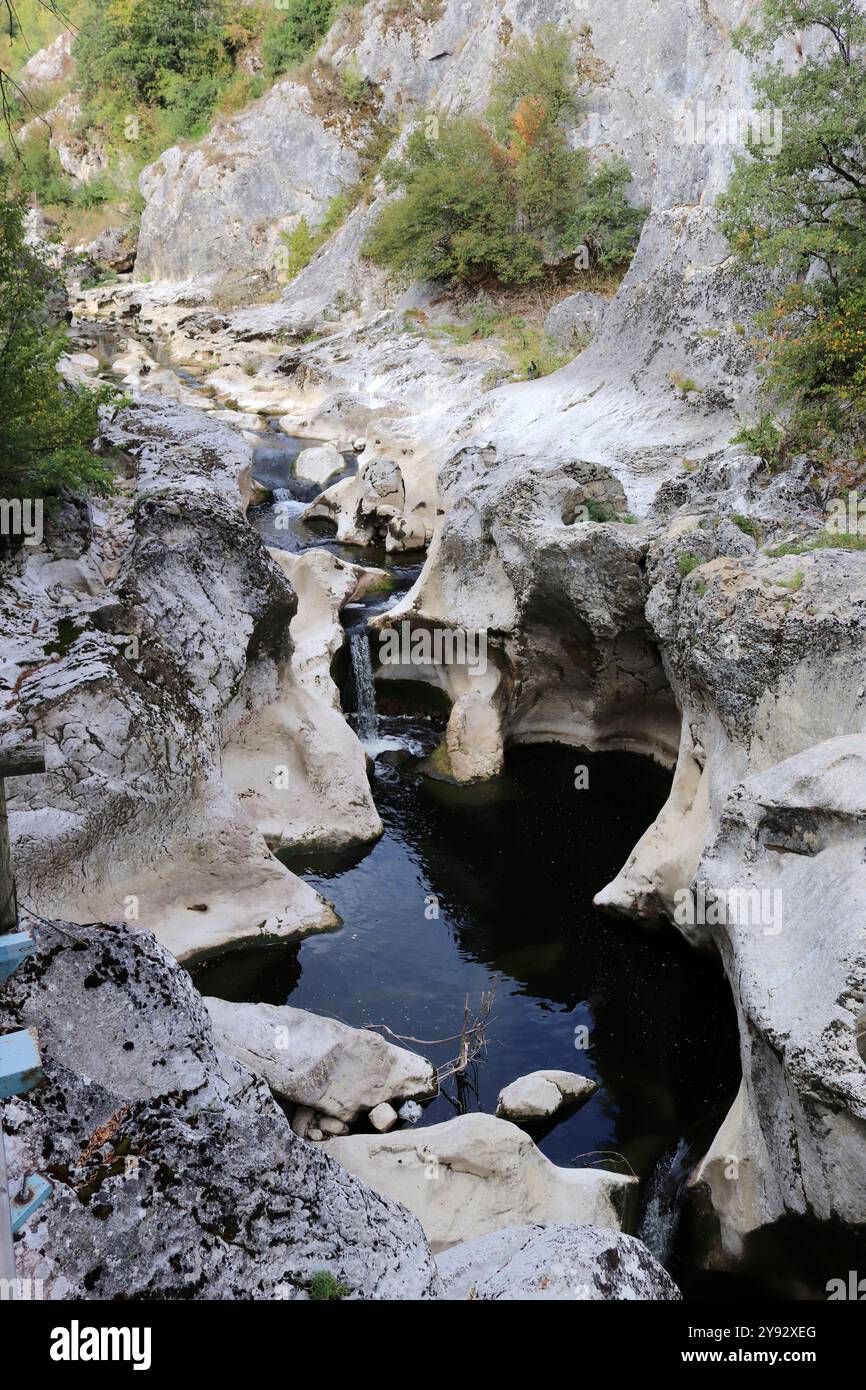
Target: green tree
[[173, 56], [48, 425], [798, 211], [507, 197], [455, 220], [294, 31]]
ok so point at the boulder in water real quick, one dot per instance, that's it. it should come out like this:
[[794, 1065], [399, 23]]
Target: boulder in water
[[542, 1093], [318, 464], [476, 1174], [383, 1117]]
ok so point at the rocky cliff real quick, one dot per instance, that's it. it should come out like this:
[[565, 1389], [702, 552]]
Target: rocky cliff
[[672, 629]]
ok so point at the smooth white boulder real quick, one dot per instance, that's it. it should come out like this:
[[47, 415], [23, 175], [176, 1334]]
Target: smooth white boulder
[[85, 361], [383, 1117], [316, 1061], [319, 463], [542, 1093], [477, 1174], [331, 1126], [558, 1262]]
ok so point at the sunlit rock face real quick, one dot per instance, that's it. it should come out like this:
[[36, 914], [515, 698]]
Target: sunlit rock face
[[667, 91]]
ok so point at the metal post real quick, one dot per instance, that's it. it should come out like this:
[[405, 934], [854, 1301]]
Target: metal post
[[8, 905], [17, 759], [7, 1252]]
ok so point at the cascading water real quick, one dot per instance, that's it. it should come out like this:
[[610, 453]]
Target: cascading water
[[366, 716], [657, 1227]]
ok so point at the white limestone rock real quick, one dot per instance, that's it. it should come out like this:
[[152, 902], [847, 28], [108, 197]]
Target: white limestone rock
[[574, 319], [181, 642], [295, 764], [174, 1174], [542, 1093], [476, 1174], [319, 1062], [758, 851], [318, 464], [52, 63], [262, 169], [383, 1117]]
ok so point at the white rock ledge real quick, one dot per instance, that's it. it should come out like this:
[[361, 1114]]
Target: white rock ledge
[[319, 1062], [476, 1174]]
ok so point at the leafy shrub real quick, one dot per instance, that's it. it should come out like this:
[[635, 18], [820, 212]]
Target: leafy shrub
[[147, 57], [302, 246], [326, 1288], [748, 527], [48, 425], [138, 48], [295, 31], [505, 197], [686, 562], [244, 88], [356, 88], [455, 219], [767, 438], [40, 173]]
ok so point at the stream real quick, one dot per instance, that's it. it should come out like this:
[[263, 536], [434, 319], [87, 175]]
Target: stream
[[487, 890]]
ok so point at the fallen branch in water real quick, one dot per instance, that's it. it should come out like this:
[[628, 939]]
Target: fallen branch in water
[[472, 1037]]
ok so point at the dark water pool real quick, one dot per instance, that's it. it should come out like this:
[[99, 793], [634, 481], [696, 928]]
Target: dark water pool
[[511, 869]]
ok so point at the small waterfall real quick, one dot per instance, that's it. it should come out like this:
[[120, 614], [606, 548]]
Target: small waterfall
[[284, 494], [366, 718], [658, 1224]]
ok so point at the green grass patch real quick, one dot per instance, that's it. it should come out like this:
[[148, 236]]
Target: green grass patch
[[325, 1288], [748, 526], [827, 540], [794, 584]]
